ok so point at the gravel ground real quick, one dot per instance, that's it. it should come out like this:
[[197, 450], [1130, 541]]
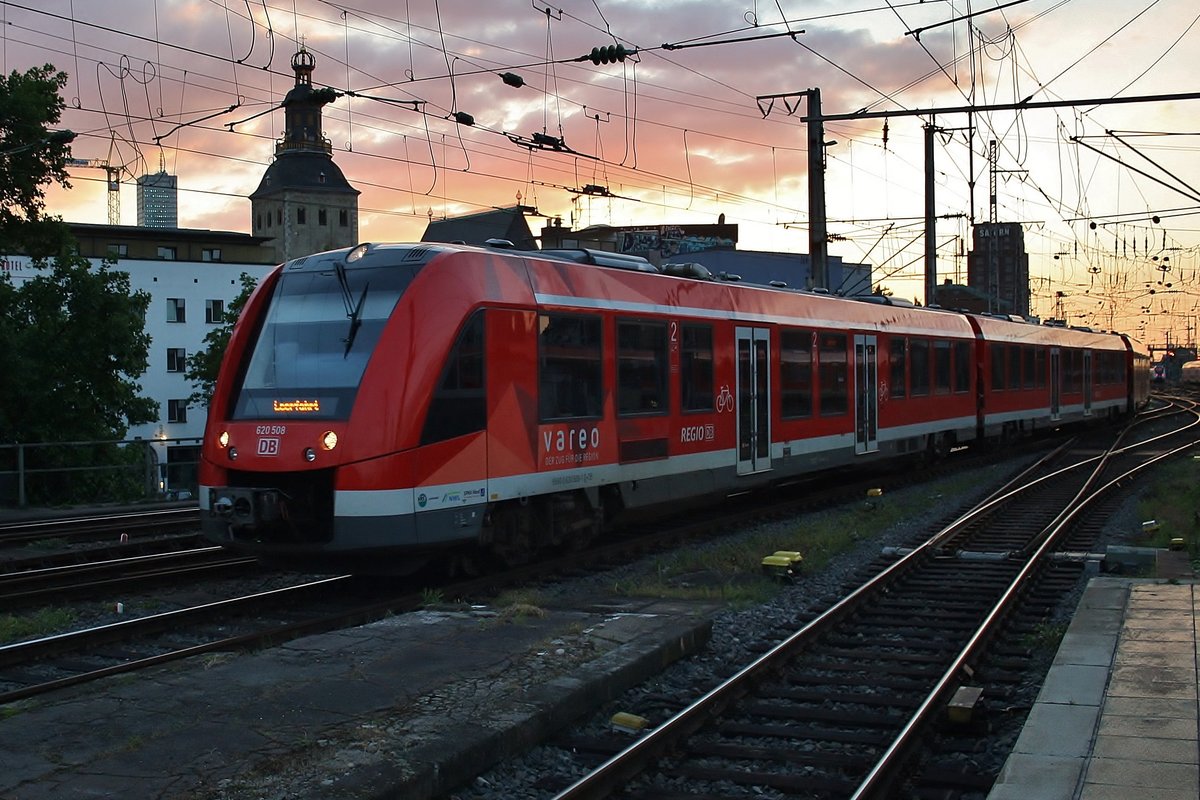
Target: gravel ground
[[738, 635]]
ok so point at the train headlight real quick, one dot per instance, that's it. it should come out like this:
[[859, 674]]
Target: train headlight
[[358, 252], [233, 454], [310, 454], [223, 439], [329, 440]]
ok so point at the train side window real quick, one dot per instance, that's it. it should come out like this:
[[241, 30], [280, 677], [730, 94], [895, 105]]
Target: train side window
[[918, 355], [1039, 367], [1069, 372], [962, 367], [941, 367], [570, 380], [696, 368], [641, 368], [1014, 366], [1027, 369], [998, 371], [898, 358], [834, 371], [795, 373], [459, 406]]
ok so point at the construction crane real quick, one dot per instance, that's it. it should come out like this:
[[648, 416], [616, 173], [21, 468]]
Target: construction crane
[[114, 183]]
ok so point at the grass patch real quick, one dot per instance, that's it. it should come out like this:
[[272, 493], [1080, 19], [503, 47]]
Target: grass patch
[[1173, 501], [730, 569], [519, 604], [42, 622], [46, 545], [1046, 636], [432, 597]]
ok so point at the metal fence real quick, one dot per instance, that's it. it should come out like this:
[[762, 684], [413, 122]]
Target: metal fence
[[78, 473]]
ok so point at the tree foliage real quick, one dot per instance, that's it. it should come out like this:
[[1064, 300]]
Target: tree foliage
[[203, 365], [73, 341], [31, 156]]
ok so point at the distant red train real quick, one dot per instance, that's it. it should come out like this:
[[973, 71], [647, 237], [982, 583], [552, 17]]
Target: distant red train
[[385, 402]]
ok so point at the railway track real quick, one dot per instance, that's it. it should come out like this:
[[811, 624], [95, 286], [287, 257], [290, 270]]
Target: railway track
[[98, 527], [843, 707], [45, 585]]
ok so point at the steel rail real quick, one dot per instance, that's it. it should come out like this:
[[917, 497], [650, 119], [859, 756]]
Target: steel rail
[[881, 776]]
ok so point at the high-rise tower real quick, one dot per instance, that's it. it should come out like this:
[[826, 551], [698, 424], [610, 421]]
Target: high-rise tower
[[304, 200], [158, 200]]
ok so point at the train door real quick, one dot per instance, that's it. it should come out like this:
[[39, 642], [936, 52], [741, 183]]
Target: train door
[[1055, 383], [866, 395], [1087, 383], [753, 400]]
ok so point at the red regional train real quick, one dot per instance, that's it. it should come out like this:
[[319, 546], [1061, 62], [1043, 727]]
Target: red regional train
[[385, 402]]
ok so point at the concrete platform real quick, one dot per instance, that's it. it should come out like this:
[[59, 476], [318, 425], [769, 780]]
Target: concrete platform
[[1117, 717], [405, 707]]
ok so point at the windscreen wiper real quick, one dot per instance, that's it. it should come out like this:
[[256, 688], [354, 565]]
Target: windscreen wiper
[[353, 310]]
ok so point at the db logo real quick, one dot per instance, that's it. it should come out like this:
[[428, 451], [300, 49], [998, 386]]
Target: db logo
[[268, 446]]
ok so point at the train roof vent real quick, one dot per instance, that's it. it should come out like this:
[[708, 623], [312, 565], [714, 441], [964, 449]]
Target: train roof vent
[[688, 270], [729, 276], [820, 290], [417, 253], [883, 300], [778, 284], [503, 244], [600, 258]]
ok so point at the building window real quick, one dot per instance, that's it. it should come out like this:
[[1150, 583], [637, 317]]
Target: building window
[[118, 250], [696, 368], [795, 373], [166, 253], [322, 216], [343, 217], [210, 254], [279, 215], [214, 311], [176, 309], [177, 410], [641, 368], [301, 215], [176, 359], [569, 367]]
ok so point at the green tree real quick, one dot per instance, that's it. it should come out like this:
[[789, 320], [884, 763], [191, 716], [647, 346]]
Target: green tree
[[203, 365], [31, 156], [77, 339]]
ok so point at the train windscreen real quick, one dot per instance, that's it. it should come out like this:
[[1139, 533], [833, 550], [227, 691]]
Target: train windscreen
[[321, 327]]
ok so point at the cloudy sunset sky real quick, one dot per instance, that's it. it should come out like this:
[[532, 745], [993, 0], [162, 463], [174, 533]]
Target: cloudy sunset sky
[[676, 132]]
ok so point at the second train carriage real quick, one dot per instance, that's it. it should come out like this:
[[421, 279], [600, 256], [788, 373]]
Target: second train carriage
[[400, 399]]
